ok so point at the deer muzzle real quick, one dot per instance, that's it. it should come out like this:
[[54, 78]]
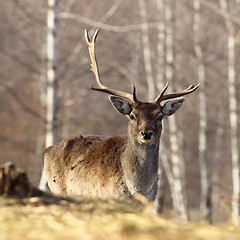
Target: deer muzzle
[[146, 136]]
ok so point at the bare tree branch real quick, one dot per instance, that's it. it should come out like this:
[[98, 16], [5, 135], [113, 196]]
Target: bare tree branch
[[107, 27], [221, 12], [19, 60], [78, 47], [24, 106], [29, 14]]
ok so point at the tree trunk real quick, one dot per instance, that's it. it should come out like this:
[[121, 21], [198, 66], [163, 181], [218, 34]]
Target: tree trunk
[[51, 83], [205, 203], [146, 50], [159, 200], [234, 130], [178, 168], [160, 78], [233, 118]]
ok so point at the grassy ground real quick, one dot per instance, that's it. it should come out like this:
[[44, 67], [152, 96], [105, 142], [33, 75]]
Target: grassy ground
[[38, 218]]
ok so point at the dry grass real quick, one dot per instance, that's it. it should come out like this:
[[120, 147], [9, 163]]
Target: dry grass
[[38, 218]]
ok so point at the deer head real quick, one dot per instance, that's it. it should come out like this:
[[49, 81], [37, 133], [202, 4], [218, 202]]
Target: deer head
[[145, 123]]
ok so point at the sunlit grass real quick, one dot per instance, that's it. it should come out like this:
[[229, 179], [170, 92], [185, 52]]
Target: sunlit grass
[[37, 218]]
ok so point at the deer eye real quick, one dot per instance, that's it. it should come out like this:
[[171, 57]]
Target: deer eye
[[160, 117], [132, 117]]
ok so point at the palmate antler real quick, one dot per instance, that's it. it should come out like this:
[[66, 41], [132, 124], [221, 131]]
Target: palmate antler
[[131, 97]]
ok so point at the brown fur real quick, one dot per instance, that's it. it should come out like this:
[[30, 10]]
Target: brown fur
[[115, 167], [91, 161]]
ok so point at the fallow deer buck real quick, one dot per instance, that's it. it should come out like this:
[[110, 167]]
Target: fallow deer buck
[[119, 166]]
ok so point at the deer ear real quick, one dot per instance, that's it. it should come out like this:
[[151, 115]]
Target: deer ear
[[121, 105], [170, 107]]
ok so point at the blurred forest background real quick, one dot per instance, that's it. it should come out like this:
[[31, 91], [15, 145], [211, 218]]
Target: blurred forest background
[[145, 42]]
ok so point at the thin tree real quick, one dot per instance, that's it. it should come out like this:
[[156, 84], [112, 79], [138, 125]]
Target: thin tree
[[233, 116], [51, 82], [205, 203], [160, 79], [146, 49], [178, 168]]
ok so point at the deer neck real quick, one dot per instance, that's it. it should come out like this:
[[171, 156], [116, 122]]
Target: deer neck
[[140, 166]]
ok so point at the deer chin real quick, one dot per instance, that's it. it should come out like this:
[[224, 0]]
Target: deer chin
[[146, 141]]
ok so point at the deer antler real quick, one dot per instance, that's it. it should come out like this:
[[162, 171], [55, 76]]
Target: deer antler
[[186, 91], [94, 67]]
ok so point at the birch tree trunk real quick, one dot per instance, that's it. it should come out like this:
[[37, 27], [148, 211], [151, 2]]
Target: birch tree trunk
[[233, 118], [205, 203], [234, 130], [160, 78], [158, 203], [146, 50], [178, 167], [51, 83], [159, 200]]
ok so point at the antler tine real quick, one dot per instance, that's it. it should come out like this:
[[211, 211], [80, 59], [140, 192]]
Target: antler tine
[[188, 90], [91, 48], [158, 99], [134, 94], [94, 67]]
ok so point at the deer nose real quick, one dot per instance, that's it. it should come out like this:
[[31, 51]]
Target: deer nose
[[147, 134]]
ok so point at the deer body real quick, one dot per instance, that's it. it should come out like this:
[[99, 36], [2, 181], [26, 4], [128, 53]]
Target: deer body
[[88, 171], [119, 166], [80, 169], [115, 167]]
